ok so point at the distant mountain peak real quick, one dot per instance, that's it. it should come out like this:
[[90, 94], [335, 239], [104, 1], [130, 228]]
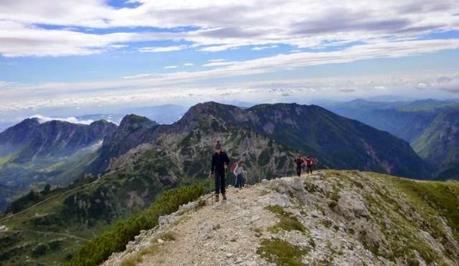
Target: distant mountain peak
[[135, 121], [33, 137], [30, 121], [210, 108], [101, 121]]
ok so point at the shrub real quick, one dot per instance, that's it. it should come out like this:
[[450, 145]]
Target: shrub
[[115, 239], [281, 252], [287, 221]]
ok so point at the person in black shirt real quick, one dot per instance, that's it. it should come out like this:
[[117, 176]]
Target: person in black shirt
[[220, 161], [299, 165]]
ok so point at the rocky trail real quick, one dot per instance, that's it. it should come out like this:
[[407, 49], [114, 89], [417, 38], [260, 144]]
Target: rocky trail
[[328, 218]]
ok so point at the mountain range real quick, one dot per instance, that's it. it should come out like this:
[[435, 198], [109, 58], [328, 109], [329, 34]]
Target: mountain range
[[140, 159], [429, 125], [34, 153]]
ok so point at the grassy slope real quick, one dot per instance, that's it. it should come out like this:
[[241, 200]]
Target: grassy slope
[[401, 210], [439, 144], [21, 178], [431, 204], [433, 199], [52, 220]]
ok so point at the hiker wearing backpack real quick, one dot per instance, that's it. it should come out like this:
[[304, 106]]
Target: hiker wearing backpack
[[240, 174], [220, 161], [309, 164], [299, 165]]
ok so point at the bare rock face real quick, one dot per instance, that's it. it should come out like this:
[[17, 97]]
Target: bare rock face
[[330, 217], [351, 205]]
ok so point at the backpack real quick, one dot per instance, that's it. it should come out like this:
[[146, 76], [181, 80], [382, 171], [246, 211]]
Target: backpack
[[233, 167]]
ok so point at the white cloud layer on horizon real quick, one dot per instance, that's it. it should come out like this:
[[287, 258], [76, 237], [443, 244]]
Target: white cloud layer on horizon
[[144, 91], [445, 83], [43, 119], [188, 85], [219, 25]]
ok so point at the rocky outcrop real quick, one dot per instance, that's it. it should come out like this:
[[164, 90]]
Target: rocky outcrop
[[133, 131], [328, 218]]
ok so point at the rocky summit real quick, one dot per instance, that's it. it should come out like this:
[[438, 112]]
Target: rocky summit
[[327, 218]]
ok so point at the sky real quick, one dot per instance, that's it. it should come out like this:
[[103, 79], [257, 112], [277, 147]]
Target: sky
[[95, 55]]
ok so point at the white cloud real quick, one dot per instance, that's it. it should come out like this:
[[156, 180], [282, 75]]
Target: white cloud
[[259, 23], [170, 67], [20, 40], [259, 48], [216, 60], [217, 48], [217, 64], [73, 120], [162, 49], [137, 76], [188, 64], [444, 83]]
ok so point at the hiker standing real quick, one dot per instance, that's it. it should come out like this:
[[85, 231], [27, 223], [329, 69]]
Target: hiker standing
[[309, 164], [220, 161], [299, 164], [240, 174]]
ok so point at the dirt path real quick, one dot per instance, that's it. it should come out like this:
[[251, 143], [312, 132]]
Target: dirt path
[[223, 233]]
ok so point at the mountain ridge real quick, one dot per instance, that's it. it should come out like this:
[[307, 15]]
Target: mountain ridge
[[302, 127], [423, 123], [330, 217]]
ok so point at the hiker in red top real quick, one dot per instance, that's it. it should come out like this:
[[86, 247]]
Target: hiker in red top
[[309, 164], [299, 165]]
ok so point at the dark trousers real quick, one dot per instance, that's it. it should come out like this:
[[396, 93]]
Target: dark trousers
[[309, 170], [298, 171], [240, 182], [219, 183]]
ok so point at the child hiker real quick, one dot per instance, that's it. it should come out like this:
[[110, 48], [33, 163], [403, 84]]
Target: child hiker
[[240, 174]]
